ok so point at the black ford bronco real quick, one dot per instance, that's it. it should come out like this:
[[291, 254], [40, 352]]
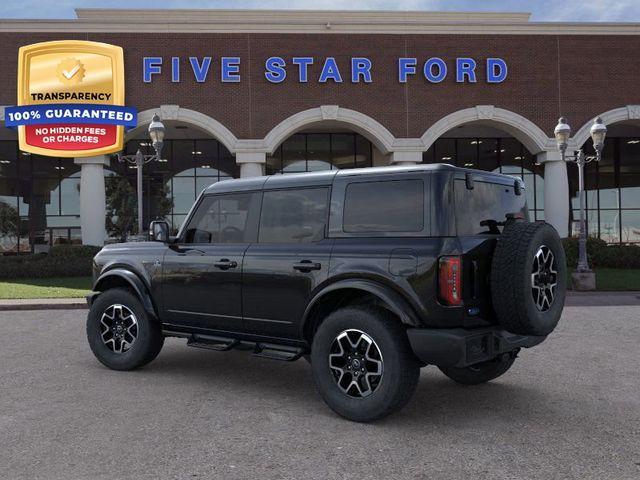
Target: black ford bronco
[[370, 274]]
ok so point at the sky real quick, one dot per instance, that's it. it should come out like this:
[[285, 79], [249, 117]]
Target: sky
[[542, 10]]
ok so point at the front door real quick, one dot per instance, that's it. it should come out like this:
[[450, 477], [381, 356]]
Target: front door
[[202, 271]]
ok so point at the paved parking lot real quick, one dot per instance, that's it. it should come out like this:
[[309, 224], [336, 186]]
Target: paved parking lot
[[568, 409]]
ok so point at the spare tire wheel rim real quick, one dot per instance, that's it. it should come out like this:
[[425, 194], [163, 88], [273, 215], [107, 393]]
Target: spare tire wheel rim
[[544, 278], [118, 328], [356, 364]]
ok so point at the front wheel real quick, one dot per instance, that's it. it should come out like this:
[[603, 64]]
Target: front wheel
[[362, 363], [480, 373], [120, 333]]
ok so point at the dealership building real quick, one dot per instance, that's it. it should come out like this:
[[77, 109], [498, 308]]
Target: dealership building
[[247, 93]]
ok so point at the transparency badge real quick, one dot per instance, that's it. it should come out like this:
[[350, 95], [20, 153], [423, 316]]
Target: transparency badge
[[70, 99]]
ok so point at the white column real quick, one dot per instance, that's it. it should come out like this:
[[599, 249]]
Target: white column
[[406, 158], [556, 191], [93, 208], [251, 163]]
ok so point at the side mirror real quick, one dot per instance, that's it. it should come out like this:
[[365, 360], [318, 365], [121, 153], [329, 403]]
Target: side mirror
[[159, 231]]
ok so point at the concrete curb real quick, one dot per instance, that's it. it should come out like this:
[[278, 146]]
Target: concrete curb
[[602, 299], [43, 304]]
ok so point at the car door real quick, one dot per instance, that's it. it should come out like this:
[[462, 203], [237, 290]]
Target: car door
[[202, 272], [290, 259]]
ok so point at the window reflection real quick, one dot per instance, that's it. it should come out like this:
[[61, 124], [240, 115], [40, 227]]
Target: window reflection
[[502, 155], [308, 152]]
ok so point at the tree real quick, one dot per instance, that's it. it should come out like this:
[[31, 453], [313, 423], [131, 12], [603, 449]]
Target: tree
[[9, 221], [122, 206]]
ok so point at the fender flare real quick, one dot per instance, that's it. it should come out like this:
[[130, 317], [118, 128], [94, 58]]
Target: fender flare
[[396, 303], [134, 281]]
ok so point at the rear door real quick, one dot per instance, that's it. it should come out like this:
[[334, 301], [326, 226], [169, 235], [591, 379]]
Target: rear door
[[289, 261], [202, 273]]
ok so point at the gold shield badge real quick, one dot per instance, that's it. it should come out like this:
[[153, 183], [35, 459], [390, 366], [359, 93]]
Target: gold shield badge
[[69, 86]]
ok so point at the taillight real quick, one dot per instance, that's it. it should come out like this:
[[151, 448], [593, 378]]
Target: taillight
[[450, 280]]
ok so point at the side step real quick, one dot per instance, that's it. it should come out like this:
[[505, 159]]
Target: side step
[[211, 342], [277, 352], [265, 350]]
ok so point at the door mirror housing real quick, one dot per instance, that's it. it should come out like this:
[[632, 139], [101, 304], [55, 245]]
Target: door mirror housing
[[159, 231]]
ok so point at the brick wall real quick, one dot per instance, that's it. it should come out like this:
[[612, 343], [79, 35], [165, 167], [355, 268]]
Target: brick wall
[[578, 76]]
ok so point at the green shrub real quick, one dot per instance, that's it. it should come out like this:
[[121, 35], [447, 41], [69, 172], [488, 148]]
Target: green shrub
[[601, 255], [61, 261]]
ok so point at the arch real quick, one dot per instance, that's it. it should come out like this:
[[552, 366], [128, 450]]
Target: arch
[[531, 136], [197, 119], [629, 112], [363, 124]]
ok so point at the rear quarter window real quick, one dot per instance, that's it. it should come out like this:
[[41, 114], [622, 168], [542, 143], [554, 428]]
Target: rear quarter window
[[384, 206], [486, 201]]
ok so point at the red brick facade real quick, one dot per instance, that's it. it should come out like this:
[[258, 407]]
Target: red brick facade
[[578, 76]]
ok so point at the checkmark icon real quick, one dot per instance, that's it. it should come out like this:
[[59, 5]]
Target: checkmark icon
[[71, 73]]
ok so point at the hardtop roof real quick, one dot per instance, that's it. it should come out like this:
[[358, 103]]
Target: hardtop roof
[[326, 177]]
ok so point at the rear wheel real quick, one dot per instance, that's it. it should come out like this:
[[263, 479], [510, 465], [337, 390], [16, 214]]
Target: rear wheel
[[482, 372], [362, 363], [120, 333]]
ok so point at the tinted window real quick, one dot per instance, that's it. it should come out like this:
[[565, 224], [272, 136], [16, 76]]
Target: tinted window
[[393, 206], [487, 201], [294, 216], [229, 218]]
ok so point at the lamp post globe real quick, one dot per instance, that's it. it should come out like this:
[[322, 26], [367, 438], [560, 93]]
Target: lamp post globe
[[562, 133], [156, 133], [598, 133]]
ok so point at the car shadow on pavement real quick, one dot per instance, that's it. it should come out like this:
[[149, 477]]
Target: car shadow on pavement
[[436, 397]]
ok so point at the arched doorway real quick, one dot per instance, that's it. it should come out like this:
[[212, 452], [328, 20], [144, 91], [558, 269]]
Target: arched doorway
[[325, 138], [477, 145]]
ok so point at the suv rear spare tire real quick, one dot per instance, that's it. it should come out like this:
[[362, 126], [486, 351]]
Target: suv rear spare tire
[[529, 278]]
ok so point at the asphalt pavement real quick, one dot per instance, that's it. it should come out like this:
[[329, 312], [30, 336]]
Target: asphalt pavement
[[569, 408]]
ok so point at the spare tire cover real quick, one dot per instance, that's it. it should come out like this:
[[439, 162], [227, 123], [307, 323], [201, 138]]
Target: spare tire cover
[[529, 278]]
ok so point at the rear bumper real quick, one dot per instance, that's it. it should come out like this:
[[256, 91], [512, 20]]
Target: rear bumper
[[460, 347]]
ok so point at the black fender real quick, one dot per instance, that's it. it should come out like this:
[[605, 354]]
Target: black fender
[[395, 302], [133, 280]]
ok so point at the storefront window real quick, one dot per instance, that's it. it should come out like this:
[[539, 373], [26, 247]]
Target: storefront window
[[612, 191], [307, 152], [502, 155], [171, 186]]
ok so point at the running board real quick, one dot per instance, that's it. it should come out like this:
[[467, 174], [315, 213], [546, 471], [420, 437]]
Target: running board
[[260, 349], [210, 342], [277, 352]]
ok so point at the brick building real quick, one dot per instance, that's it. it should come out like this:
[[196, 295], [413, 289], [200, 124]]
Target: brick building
[[263, 92]]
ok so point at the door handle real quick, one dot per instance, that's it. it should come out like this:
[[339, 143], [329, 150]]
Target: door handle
[[225, 264], [306, 266]]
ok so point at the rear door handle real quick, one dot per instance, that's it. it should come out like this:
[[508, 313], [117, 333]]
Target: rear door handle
[[306, 266], [225, 264]]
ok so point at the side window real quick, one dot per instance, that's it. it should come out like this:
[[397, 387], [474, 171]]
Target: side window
[[227, 218], [294, 216], [387, 206], [487, 201]]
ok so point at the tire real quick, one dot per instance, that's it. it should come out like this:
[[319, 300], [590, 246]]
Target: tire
[[142, 337], [384, 341], [527, 296], [480, 373]]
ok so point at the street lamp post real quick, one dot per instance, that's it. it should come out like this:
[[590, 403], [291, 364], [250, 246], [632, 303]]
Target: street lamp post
[[562, 133], [156, 133]]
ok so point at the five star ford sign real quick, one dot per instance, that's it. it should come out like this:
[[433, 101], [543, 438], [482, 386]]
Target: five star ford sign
[[70, 99]]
